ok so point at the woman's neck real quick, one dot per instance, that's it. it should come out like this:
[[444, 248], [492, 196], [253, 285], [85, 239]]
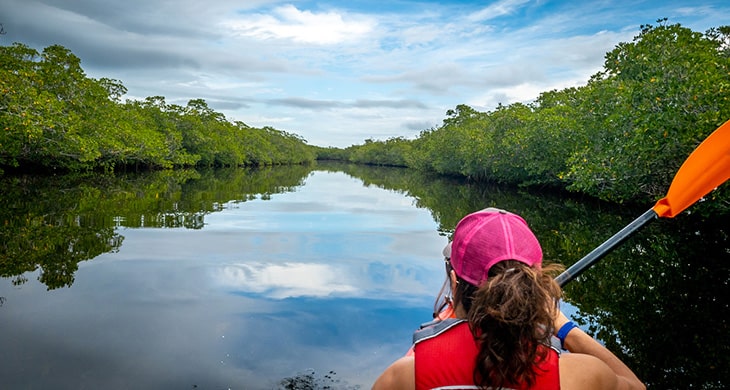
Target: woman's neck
[[459, 311]]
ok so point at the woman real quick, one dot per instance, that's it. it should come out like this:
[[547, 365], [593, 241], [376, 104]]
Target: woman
[[505, 314]]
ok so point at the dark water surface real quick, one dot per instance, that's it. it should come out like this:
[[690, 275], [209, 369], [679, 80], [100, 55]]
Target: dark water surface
[[311, 277]]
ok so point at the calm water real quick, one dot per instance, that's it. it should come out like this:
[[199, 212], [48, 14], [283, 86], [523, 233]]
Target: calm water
[[295, 276]]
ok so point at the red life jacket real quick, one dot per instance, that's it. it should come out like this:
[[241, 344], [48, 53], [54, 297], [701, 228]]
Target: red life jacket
[[445, 358]]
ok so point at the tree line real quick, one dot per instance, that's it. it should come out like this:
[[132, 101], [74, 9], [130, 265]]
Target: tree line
[[53, 116], [621, 137]]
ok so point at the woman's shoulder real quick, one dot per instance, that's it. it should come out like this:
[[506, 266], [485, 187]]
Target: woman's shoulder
[[400, 375], [581, 371]]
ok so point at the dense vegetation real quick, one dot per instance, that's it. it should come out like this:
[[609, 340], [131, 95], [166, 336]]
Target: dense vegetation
[[620, 138], [53, 116]]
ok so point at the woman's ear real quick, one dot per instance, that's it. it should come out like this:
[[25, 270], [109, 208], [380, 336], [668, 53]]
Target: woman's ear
[[454, 280]]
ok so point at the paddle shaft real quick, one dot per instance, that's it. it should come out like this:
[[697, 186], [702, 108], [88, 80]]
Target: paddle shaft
[[581, 265], [707, 167]]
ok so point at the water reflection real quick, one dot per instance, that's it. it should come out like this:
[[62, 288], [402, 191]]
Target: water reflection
[[274, 284], [53, 223], [288, 280], [281, 277]]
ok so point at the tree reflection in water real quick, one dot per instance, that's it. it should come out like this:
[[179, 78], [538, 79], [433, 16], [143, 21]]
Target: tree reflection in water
[[53, 223]]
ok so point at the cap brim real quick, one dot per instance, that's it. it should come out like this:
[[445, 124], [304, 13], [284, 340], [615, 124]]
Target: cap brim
[[447, 251]]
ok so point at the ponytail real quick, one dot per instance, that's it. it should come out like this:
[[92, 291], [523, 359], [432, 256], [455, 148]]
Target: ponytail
[[511, 316]]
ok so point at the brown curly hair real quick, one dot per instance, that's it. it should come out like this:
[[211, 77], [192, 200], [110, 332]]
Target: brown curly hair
[[511, 316]]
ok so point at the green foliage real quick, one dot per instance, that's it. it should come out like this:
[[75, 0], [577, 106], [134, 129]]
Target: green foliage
[[330, 153], [506, 144], [656, 100], [621, 137], [550, 135], [53, 116], [456, 148], [391, 152]]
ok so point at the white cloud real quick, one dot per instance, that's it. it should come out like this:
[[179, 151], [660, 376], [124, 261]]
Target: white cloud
[[500, 8], [288, 22]]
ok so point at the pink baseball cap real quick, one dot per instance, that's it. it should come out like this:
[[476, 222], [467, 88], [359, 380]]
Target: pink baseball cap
[[486, 237]]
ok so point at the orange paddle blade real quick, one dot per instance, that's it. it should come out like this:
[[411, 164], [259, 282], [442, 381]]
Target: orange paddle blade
[[704, 170]]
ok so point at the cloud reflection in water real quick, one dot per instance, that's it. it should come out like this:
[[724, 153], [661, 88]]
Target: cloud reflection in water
[[288, 280]]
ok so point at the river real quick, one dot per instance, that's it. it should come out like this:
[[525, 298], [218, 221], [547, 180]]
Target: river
[[313, 277]]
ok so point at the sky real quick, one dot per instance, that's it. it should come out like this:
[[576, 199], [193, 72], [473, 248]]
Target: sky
[[339, 72]]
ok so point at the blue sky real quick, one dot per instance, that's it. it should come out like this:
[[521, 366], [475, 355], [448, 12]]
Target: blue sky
[[340, 72]]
